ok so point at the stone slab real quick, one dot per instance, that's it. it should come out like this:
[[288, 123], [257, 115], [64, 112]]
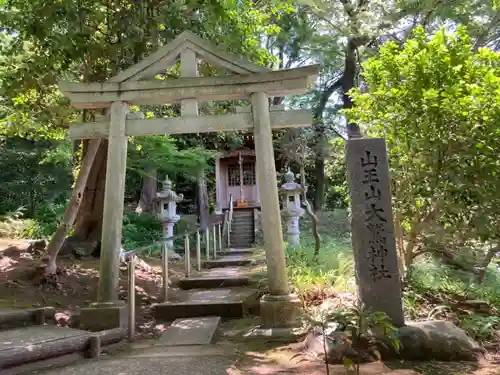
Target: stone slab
[[28, 336], [236, 252], [191, 331], [159, 350], [199, 365], [213, 282], [373, 240], [226, 303], [216, 278], [228, 261]]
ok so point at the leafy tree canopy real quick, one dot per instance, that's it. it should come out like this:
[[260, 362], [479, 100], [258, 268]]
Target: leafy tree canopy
[[437, 102]]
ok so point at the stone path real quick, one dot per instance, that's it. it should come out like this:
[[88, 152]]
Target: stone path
[[219, 291], [186, 347], [151, 365], [191, 331], [216, 278]]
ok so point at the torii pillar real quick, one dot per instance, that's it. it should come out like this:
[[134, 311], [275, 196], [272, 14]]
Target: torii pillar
[[279, 308], [109, 312]]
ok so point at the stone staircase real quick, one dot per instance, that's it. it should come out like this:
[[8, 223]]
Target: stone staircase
[[220, 290], [242, 228]]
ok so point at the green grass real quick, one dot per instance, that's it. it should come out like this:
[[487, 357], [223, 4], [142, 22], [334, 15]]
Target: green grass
[[432, 290], [333, 269], [435, 290]]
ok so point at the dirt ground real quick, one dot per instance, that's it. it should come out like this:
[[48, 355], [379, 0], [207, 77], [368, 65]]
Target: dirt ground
[[76, 285], [290, 359]]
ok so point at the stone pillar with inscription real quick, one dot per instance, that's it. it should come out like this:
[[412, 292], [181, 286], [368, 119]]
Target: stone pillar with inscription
[[373, 240]]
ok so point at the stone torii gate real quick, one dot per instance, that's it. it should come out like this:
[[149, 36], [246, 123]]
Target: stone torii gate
[[137, 85]]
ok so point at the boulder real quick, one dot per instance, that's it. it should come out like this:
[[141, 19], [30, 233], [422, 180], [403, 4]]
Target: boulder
[[437, 340], [172, 255]]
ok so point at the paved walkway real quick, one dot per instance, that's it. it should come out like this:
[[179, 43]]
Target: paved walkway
[[189, 365], [198, 355]]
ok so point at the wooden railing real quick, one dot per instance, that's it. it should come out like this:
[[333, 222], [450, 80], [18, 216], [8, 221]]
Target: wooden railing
[[230, 220], [213, 244]]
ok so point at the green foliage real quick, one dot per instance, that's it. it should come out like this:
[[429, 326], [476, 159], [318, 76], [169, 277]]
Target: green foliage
[[337, 195], [436, 101], [481, 327], [433, 289], [34, 174], [333, 270], [368, 331], [140, 230]]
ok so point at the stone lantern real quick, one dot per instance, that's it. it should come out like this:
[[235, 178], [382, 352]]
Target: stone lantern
[[168, 200], [290, 192]]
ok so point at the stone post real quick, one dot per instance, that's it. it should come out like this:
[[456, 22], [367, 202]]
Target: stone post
[[109, 312], [168, 200], [292, 211], [373, 240], [279, 308]]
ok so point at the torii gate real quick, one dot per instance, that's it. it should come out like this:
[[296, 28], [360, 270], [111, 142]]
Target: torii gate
[[136, 86]]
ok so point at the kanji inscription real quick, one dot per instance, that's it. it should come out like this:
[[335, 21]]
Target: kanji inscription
[[374, 245], [374, 214]]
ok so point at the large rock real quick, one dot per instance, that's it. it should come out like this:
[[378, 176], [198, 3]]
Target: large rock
[[437, 340], [429, 340], [172, 255]]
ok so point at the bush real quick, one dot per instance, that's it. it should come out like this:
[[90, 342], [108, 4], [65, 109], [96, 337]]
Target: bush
[[140, 230]]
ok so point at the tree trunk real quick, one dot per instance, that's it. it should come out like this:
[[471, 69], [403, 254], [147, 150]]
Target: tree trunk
[[320, 186], [203, 207], [400, 247], [148, 192], [348, 78], [71, 211], [310, 213], [88, 224], [485, 263]]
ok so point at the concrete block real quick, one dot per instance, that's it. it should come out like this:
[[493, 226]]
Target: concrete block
[[102, 316], [280, 311]]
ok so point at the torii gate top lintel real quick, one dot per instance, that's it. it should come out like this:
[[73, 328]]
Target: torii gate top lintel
[[136, 85], [169, 54]]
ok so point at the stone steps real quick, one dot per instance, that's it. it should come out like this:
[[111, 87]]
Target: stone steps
[[191, 331], [223, 302], [236, 251], [228, 261], [215, 278], [242, 239], [242, 229]]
